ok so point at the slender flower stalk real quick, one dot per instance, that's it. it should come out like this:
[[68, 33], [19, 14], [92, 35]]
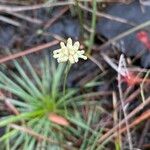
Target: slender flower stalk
[[68, 53]]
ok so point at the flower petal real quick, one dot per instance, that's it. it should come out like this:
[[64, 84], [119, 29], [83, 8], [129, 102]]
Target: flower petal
[[80, 52], [69, 44], [76, 59], [83, 57], [65, 51], [56, 51], [57, 55], [62, 45], [76, 46]]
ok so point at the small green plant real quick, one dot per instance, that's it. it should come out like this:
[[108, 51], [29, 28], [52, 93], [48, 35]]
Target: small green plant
[[46, 116], [69, 53]]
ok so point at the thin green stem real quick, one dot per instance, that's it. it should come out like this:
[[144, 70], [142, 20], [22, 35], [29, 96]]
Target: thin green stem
[[93, 26], [7, 140], [65, 78], [80, 15], [64, 85], [87, 131], [117, 144]]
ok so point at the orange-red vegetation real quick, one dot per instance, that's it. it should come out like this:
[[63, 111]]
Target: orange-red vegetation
[[58, 119]]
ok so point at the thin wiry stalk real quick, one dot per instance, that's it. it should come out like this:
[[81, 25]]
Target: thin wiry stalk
[[142, 86], [80, 15], [34, 7], [116, 118], [93, 25], [95, 61], [108, 16], [28, 51], [65, 78], [90, 115], [123, 105]]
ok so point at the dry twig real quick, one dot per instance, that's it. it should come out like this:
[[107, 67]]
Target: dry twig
[[124, 34], [28, 51], [145, 131], [26, 18], [5, 8], [122, 65], [10, 21], [110, 134], [51, 21], [108, 16], [138, 120]]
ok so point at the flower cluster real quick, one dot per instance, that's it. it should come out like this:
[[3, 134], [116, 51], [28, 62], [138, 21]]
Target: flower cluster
[[69, 52]]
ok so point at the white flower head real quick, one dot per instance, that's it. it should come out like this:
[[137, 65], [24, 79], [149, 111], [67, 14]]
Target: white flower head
[[69, 52]]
